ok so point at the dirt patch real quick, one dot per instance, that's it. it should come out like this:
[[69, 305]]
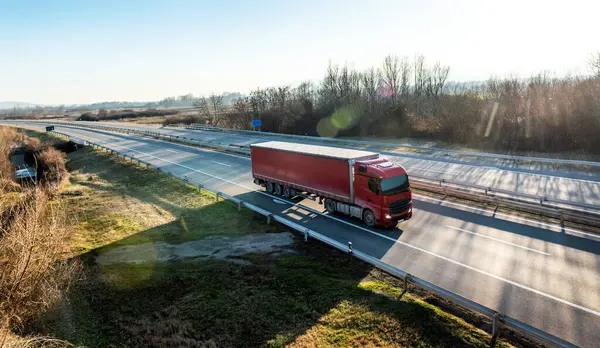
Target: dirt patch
[[218, 247]]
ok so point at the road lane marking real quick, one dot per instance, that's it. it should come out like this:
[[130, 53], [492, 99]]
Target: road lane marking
[[550, 176], [508, 281], [510, 218], [498, 240], [431, 170], [172, 151], [221, 163]]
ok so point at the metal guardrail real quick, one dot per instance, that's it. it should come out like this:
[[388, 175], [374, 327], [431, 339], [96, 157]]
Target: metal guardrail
[[412, 147], [564, 210], [498, 320]]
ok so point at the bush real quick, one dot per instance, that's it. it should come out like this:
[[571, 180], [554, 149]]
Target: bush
[[87, 117], [33, 272], [188, 119], [128, 113], [52, 167]]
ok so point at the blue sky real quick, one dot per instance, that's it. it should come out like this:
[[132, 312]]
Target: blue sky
[[56, 52]]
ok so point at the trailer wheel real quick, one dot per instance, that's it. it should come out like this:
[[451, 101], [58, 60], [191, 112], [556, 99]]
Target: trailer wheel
[[278, 189], [287, 192], [369, 218], [330, 206], [269, 187]]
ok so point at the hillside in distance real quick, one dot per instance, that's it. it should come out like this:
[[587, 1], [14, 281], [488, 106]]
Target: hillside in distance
[[12, 104]]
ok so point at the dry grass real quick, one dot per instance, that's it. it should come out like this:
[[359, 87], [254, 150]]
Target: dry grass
[[36, 342], [52, 163], [33, 237], [34, 273]]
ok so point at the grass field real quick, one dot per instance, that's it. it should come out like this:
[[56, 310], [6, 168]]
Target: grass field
[[309, 296]]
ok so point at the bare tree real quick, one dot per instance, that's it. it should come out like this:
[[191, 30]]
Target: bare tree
[[420, 78], [391, 76], [241, 113], [371, 83], [167, 102], [595, 64], [436, 79], [186, 98], [212, 107], [329, 87], [405, 71]]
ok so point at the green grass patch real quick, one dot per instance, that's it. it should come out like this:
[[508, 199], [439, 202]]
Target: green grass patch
[[296, 300], [116, 203]]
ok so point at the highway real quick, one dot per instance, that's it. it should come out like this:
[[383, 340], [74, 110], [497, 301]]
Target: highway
[[541, 274], [541, 180]]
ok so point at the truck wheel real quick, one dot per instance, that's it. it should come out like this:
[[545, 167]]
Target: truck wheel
[[286, 192], [369, 218], [330, 206], [269, 187], [277, 189]]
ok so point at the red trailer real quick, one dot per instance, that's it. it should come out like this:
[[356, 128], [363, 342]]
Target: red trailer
[[358, 183]]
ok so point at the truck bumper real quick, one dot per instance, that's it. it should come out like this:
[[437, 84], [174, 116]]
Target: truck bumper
[[388, 220]]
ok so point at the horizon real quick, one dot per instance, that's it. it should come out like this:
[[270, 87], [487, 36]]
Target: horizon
[[73, 53]]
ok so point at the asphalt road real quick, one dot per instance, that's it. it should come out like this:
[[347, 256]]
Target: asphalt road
[[540, 274], [541, 180]]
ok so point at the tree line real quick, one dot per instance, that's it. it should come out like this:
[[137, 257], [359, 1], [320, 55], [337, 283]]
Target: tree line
[[409, 98]]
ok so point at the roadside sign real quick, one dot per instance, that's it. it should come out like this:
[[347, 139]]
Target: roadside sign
[[256, 123], [49, 128]]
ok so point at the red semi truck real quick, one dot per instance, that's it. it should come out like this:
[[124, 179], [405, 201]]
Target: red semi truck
[[358, 183]]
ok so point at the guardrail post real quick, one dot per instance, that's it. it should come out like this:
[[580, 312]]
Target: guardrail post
[[218, 194], [349, 251], [407, 277], [199, 187], [562, 219], [239, 205], [306, 235], [495, 330], [269, 218]]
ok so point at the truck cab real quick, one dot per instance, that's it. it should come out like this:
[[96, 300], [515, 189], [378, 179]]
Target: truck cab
[[383, 188]]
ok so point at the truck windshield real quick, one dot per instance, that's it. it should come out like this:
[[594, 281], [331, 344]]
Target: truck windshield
[[395, 185]]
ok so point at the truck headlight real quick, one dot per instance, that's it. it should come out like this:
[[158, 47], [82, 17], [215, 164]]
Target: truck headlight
[[387, 216]]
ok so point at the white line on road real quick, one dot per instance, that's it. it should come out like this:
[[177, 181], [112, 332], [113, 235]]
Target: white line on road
[[221, 163], [498, 240], [525, 287], [431, 170], [505, 170], [172, 151], [508, 217]]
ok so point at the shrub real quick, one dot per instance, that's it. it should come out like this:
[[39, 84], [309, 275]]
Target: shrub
[[52, 165], [32, 270], [87, 117]]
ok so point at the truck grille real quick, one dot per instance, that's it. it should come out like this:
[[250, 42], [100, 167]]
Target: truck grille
[[399, 206]]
